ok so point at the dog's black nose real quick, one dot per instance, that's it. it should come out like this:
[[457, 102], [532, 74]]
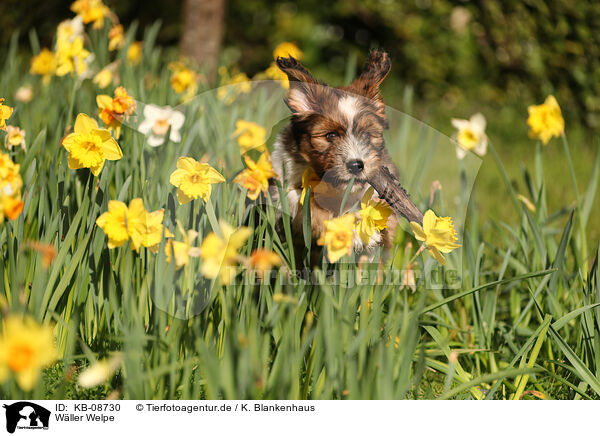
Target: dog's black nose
[[355, 166]]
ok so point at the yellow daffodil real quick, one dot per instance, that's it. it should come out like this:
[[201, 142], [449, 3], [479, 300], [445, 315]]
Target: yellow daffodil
[[153, 229], [232, 86], [220, 254], [15, 137], [26, 347], [437, 233], [241, 82], [471, 135], [274, 73], [11, 183], [6, 165], [223, 94], [287, 49], [71, 57], [182, 250], [250, 136], [323, 191], [90, 146], [103, 78], [43, 64], [338, 237], [91, 11], [374, 214], [256, 177], [263, 261], [121, 223], [194, 179], [12, 207], [114, 109], [116, 38], [183, 79], [100, 372], [122, 102], [545, 120], [311, 180], [5, 114], [24, 94], [134, 52]]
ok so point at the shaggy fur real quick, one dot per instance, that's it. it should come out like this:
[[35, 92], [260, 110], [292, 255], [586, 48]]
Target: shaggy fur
[[339, 133]]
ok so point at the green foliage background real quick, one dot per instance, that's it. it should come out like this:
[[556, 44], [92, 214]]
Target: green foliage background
[[451, 51], [526, 316]]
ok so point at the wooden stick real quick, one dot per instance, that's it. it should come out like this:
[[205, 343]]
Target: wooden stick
[[389, 189]]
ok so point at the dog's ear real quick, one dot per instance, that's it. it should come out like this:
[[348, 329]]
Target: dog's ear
[[303, 86], [376, 68]]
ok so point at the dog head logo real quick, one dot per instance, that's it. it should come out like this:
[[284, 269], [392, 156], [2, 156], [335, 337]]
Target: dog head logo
[[26, 415]]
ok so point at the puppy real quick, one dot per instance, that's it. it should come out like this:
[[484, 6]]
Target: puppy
[[337, 134]]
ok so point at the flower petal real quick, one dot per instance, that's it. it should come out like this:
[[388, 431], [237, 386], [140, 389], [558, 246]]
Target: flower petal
[[460, 152], [177, 119], [459, 124], [155, 140], [429, 220], [182, 198], [85, 124], [104, 101], [435, 253], [214, 176], [239, 237], [152, 112], [97, 168], [478, 122], [418, 231], [187, 163], [74, 164], [177, 176], [175, 136], [145, 126], [68, 141], [111, 149], [481, 148]]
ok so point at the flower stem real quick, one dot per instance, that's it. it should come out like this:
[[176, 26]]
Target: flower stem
[[72, 102], [577, 205], [571, 169], [511, 191], [419, 251]]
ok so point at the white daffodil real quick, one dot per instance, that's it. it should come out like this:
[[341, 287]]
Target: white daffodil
[[70, 29], [470, 136], [157, 121]]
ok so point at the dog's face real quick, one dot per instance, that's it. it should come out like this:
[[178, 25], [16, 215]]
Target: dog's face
[[339, 131]]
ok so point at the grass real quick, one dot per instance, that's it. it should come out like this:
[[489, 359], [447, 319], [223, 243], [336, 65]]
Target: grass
[[519, 321]]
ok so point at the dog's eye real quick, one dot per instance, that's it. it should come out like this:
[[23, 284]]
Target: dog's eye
[[330, 136]]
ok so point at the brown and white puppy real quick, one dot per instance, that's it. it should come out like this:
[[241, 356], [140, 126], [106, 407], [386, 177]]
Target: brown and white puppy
[[338, 132]]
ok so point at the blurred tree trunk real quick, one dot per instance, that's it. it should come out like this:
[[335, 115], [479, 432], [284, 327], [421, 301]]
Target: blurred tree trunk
[[202, 33]]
